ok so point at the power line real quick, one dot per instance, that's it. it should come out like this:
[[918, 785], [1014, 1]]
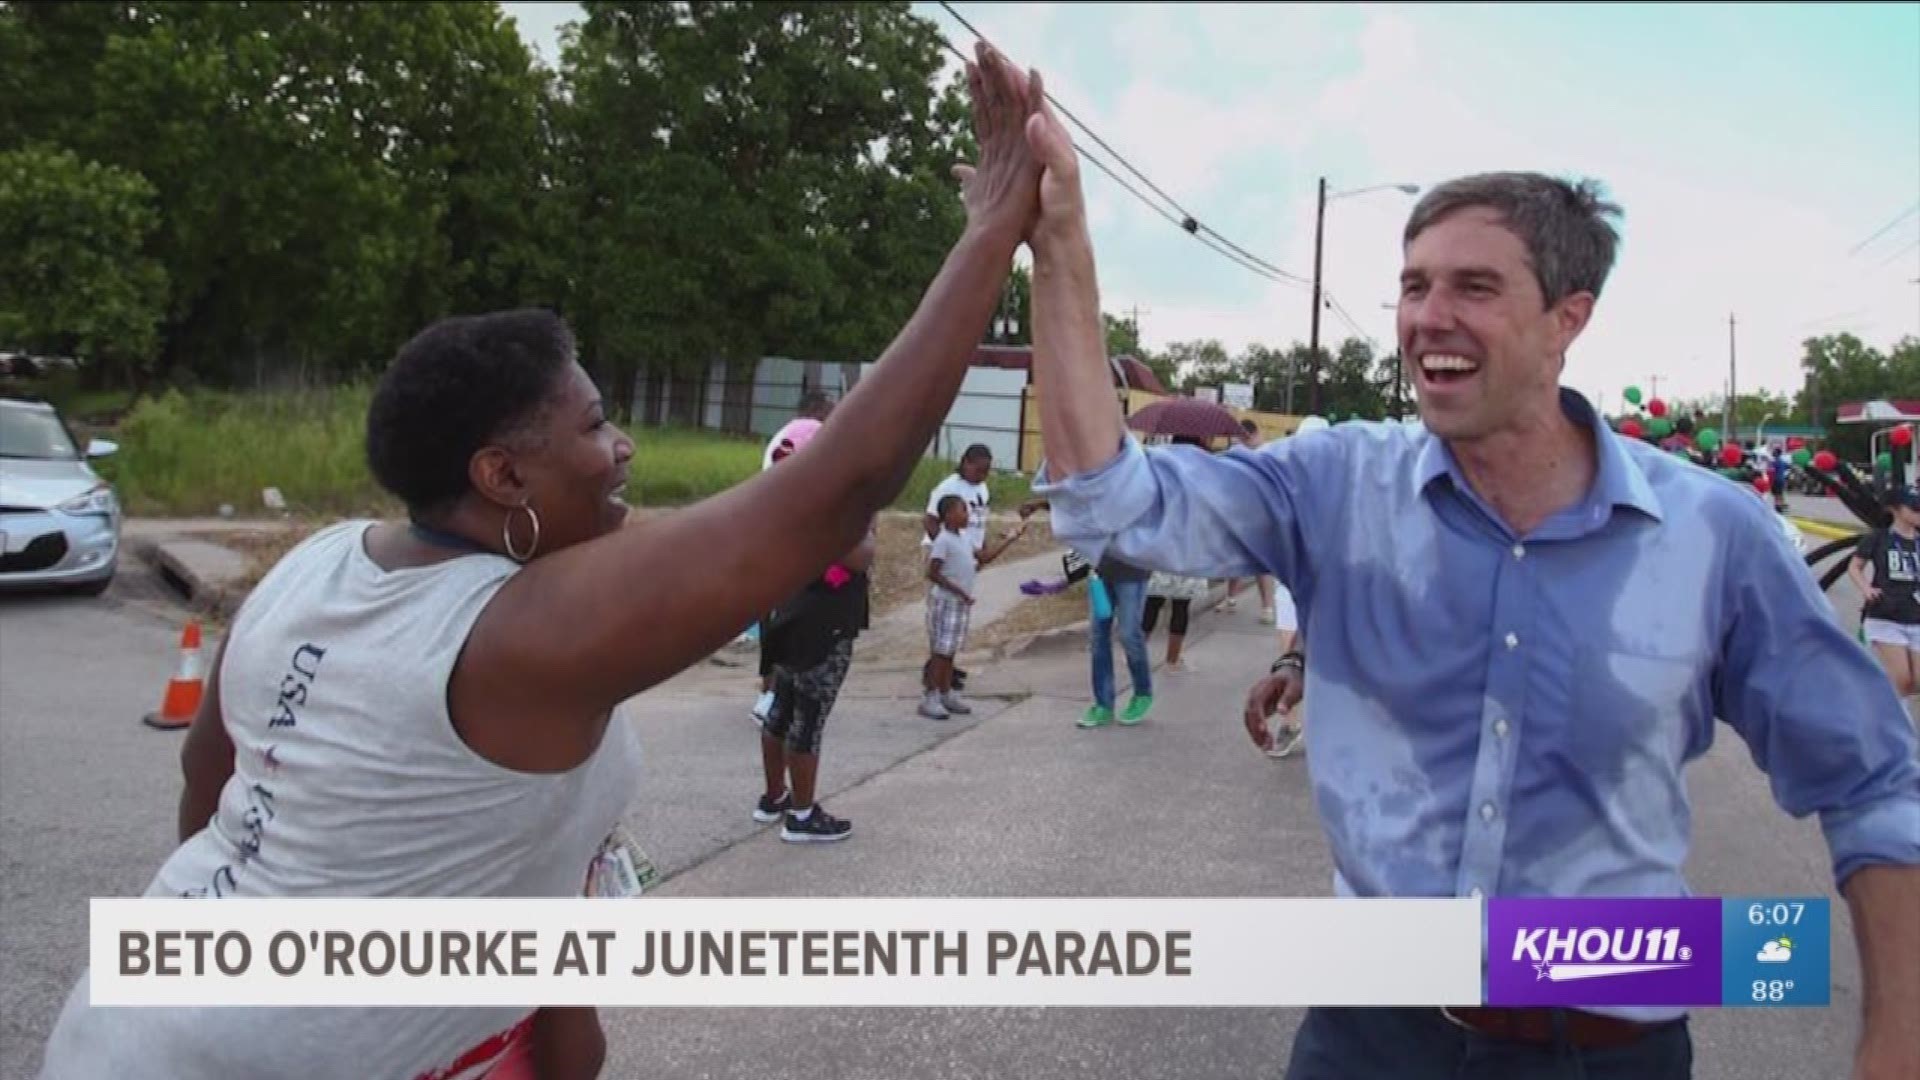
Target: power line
[[1901, 253], [1882, 231], [1185, 221]]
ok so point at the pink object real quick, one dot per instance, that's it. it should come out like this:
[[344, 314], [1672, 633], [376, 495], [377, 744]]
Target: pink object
[[790, 439], [837, 576]]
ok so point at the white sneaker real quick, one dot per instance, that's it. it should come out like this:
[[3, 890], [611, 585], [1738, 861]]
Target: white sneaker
[[956, 704], [1266, 616], [932, 709], [763, 708], [1183, 666]]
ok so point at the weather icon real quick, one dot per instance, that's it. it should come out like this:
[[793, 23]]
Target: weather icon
[[1777, 951]]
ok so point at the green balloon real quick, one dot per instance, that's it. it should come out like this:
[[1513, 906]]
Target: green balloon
[[1708, 439], [1633, 394], [1661, 427], [1803, 457], [1883, 461]]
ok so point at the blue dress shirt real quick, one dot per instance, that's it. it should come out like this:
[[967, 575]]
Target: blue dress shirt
[[1497, 714]]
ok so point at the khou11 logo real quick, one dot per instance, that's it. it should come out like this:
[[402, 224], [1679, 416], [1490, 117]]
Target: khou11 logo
[[1598, 952]]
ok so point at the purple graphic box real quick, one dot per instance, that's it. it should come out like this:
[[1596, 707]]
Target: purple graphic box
[[1594, 952]]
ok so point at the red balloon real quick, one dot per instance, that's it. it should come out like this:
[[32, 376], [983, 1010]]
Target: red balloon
[[1631, 429], [1901, 436], [1825, 461], [1731, 455], [1656, 407], [1796, 443], [1762, 483]]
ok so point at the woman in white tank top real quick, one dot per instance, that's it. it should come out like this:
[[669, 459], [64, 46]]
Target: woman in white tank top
[[429, 709]]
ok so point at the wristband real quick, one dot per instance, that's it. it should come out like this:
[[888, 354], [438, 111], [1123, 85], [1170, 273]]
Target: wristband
[[1294, 660]]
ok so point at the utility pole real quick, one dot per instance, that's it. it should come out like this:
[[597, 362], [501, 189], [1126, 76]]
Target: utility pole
[[1313, 339], [1656, 385], [1733, 392]]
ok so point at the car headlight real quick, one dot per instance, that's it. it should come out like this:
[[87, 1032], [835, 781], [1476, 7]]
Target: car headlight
[[98, 501]]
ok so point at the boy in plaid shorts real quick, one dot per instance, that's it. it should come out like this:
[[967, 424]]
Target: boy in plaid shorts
[[952, 563]]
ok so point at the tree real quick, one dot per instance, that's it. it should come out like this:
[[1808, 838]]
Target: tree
[[78, 279], [329, 176], [753, 178]]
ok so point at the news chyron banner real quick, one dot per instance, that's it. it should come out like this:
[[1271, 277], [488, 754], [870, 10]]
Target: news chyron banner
[[1682, 953]]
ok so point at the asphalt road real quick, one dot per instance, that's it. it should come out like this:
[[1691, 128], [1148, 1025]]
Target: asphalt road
[[1015, 802]]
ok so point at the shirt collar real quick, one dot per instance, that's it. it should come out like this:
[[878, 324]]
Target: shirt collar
[[1618, 481]]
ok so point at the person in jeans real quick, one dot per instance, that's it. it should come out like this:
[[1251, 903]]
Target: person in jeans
[[1891, 616], [1126, 586]]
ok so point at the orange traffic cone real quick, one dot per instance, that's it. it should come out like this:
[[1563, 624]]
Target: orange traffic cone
[[183, 690]]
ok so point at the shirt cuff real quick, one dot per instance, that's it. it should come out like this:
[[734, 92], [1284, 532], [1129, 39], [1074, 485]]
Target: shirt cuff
[[1885, 831], [1089, 508]]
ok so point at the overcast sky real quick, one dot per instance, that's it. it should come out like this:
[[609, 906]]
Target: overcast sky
[[1754, 148]]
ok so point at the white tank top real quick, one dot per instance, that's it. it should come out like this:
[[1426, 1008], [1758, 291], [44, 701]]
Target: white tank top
[[349, 780]]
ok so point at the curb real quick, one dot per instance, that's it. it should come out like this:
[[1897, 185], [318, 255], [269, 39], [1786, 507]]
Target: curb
[[1825, 529], [215, 601]]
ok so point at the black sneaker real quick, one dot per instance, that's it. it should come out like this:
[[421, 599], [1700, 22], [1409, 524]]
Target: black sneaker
[[959, 679], [771, 809], [819, 828]]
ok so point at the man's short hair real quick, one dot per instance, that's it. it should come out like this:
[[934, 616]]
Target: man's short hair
[[976, 452], [1564, 226], [947, 501], [1249, 427]]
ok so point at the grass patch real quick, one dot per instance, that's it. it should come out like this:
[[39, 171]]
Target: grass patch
[[190, 454]]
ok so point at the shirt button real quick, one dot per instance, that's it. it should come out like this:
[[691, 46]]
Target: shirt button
[[1500, 727], [1487, 811], [1513, 641], [1519, 551]]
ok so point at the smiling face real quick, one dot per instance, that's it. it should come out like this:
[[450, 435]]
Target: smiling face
[[571, 463], [1481, 346]]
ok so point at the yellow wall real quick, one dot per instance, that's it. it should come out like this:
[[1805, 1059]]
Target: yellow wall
[[1272, 425]]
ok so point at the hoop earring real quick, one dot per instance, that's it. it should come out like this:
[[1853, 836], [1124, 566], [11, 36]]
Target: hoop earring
[[506, 534]]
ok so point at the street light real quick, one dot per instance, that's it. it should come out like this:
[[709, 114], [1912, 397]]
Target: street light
[[1319, 236]]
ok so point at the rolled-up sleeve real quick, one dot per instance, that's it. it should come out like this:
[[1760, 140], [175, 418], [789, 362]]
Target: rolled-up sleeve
[[1817, 712], [1185, 511]]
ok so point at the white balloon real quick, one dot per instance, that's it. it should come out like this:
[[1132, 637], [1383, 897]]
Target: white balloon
[[1311, 423]]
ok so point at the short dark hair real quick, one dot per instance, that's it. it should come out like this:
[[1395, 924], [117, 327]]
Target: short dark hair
[[459, 385], [1569, 240], [976, 452], [947, 501], [814, 405], [1249, 427]]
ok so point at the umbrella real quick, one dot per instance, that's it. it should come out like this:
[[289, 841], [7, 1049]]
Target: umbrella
[[1194, 418]]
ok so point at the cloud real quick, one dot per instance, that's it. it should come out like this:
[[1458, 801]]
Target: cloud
[[1774, 953]]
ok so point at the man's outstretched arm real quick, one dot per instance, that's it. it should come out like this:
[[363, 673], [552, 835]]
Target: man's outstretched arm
[[1080, 421]]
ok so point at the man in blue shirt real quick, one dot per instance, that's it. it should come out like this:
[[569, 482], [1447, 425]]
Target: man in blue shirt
[[1522, 626]]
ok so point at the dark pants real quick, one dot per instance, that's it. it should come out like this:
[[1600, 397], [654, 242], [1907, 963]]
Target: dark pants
[[1176, 626], [1421, 1044]]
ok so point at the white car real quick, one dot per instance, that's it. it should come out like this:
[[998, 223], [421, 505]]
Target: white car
[[59, 521]]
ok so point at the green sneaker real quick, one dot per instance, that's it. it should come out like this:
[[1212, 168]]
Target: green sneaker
[[1137, 709], [1097, 716]]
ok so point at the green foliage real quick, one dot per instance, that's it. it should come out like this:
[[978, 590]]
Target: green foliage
[[1839, 369], [77, 280], [191, 453]]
